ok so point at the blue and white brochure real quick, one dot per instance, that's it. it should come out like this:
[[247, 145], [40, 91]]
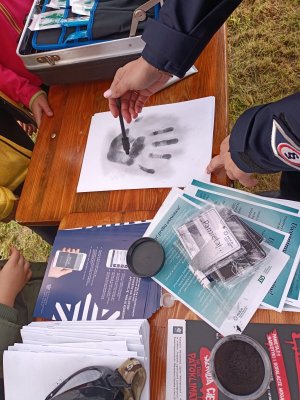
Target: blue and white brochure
[[87, 277]]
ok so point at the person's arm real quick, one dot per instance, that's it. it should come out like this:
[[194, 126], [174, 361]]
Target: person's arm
[[10, 330], [172, 45], [16, 87], [8, 203], [22, 91], [264, 139], [267, 138], [13, 277], [183, 29]]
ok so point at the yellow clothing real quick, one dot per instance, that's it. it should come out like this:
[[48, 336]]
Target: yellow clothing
[[14, 161]]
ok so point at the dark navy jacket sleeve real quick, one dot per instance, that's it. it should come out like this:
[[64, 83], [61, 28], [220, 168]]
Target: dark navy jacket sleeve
[[266, 138], [184, 27]]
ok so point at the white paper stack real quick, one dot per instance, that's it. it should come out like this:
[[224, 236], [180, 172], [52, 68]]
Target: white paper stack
[[52, 351]]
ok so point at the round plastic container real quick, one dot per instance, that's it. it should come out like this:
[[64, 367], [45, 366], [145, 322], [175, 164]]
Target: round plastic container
[[145, 257], [240, 367]]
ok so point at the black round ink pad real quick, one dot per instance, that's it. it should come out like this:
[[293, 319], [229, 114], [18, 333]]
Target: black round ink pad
[[240, 367], [145, 257]]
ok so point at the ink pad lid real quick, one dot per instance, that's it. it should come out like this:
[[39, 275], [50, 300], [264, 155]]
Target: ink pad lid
[[240, 367], [145, 257]]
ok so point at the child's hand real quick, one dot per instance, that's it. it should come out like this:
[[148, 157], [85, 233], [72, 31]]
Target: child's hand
[[39, 106], [13, 277]]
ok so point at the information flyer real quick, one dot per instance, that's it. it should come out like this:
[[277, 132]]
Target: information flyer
[[273, 214], [227, 309], [87, 277], [189, 347]]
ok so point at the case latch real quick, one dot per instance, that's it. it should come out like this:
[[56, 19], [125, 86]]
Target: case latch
[[139, 14], [48, 59]]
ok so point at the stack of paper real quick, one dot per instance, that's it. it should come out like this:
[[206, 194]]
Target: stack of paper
[[275, 283], [87, 277], [52, 351]]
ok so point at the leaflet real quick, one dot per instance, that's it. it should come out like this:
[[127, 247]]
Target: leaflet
[[189, 347], [279, 216], [227, 310], [87, 277]]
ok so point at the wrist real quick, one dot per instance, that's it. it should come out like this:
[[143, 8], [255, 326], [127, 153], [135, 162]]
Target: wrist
[[152, 68], [165, 73], [7, 299], [35, 96]]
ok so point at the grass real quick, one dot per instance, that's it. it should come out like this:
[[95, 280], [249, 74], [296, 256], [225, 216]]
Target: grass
[[263, 55]]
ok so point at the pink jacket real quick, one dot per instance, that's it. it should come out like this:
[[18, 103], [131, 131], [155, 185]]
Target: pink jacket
[[15, 80]]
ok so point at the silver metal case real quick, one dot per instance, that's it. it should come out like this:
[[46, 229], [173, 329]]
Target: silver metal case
[[77, 64]]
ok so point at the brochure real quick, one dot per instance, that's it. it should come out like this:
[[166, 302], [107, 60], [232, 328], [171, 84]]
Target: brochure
[[189, 347], [274, 214], [226, 308], [87, 277], [273, 237]]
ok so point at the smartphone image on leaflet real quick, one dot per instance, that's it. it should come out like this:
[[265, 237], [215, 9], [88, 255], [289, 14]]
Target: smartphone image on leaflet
[[66, 259], [116, 259]]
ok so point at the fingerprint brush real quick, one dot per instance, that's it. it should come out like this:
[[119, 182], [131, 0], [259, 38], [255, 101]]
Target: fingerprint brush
[[125, 140]]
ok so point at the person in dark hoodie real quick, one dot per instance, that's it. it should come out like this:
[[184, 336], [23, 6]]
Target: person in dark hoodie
[[265, 139], [173, 43]]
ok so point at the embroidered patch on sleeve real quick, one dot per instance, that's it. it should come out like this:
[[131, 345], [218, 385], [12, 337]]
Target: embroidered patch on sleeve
[[284, 147]]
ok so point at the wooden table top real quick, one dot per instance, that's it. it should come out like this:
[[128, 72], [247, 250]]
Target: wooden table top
[[49, 191], [159, 321]]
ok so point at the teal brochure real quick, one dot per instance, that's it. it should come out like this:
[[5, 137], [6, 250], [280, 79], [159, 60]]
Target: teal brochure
[[275, 215], [274, 238], [228, 309]]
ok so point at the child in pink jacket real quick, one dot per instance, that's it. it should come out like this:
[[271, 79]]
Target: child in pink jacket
[[15, 80]]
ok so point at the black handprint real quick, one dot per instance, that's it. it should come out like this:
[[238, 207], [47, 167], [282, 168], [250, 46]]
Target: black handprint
[[139, 146]]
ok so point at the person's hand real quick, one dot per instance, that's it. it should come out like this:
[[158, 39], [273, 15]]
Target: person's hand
[[30, 129], [13, 277], [134, 84], [148, 153], [58, 272], [224, 161], [40, 105]]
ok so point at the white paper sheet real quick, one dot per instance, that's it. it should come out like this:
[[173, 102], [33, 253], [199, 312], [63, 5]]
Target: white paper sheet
[[168, 144], [106, 346], [35, 348]]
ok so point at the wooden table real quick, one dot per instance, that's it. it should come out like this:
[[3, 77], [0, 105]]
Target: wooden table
[[49, 192], [159, 321]]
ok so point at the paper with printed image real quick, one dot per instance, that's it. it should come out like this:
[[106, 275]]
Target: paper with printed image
[[167, 143], [226, 309]]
